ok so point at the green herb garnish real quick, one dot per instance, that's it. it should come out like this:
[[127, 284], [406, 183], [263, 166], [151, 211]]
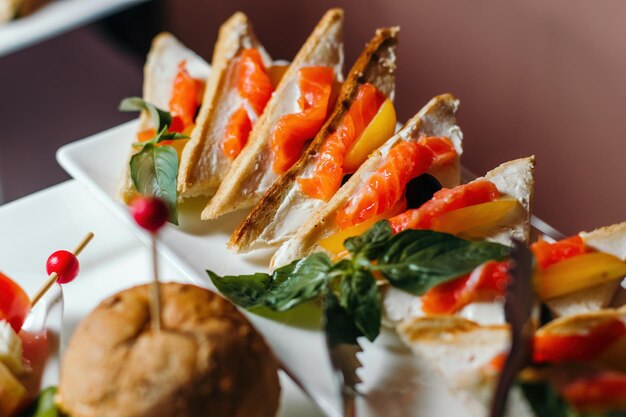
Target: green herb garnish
[[154, 169], [413, 260], [160, 118]]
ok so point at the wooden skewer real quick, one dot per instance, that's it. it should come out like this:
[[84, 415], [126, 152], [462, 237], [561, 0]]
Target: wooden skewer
[[156, 288], [54, 277]]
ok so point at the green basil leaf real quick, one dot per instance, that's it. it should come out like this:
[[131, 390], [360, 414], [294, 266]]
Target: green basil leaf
[[154, 170], [170, 136], [244, 290], [360, 296], [44, 405], [161, 136], [160, 118], [370, 243], [338, 323], [417, 260], [300, 281]]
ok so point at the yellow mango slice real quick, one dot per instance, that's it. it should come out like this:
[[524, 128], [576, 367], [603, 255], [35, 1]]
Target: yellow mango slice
[[380, 128], [334, 243], [477, 220], [578, 273]]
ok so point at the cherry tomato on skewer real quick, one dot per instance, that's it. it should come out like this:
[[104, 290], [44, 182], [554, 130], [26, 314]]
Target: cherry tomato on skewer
[[150, 213], [65, 264]]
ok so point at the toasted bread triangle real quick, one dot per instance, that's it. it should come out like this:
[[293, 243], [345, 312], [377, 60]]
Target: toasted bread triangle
[[609, 239], [203, 164], [160, 70], [263, 227], [461, 352], [437, 118], [251, 174]]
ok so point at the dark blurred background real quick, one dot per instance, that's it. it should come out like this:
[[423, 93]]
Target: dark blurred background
[[533, 76]]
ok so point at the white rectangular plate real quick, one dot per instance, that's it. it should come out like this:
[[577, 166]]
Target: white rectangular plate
[[394, 383]]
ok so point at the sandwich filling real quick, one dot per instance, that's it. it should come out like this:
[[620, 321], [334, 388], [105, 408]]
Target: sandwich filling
[[255, 89], [386, 186], [293, 130], [331, 163], [570, 266], [183, 105]]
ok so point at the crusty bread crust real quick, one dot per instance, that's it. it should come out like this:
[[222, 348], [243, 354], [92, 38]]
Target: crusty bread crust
[[203, 165], [515, 179], [207, 360], [376, 66], [433, 119], [155, 91], [609, 239], [456, 345], [581, 323], [244, 185]]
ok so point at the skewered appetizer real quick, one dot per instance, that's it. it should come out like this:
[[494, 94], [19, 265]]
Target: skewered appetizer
[[23, 355], [167, 349]]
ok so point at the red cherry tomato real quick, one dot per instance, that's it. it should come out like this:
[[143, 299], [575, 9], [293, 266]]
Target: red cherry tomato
[[65, 264], [151, 213], [14, 303]]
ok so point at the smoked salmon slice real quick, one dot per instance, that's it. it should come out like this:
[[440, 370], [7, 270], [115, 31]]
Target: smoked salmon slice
[[385, 187], [183, 105], [326, 178], [253, 82], [293, 130], [237, 132], [443, 201], [254, 86], [185, 100], [548, 253], [486, 281]]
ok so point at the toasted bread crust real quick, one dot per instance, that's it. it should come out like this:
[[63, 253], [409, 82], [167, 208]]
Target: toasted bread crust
[[373, 66], [249, 167], [198, 174], [515, 179], [428, 121], [581, 323]]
